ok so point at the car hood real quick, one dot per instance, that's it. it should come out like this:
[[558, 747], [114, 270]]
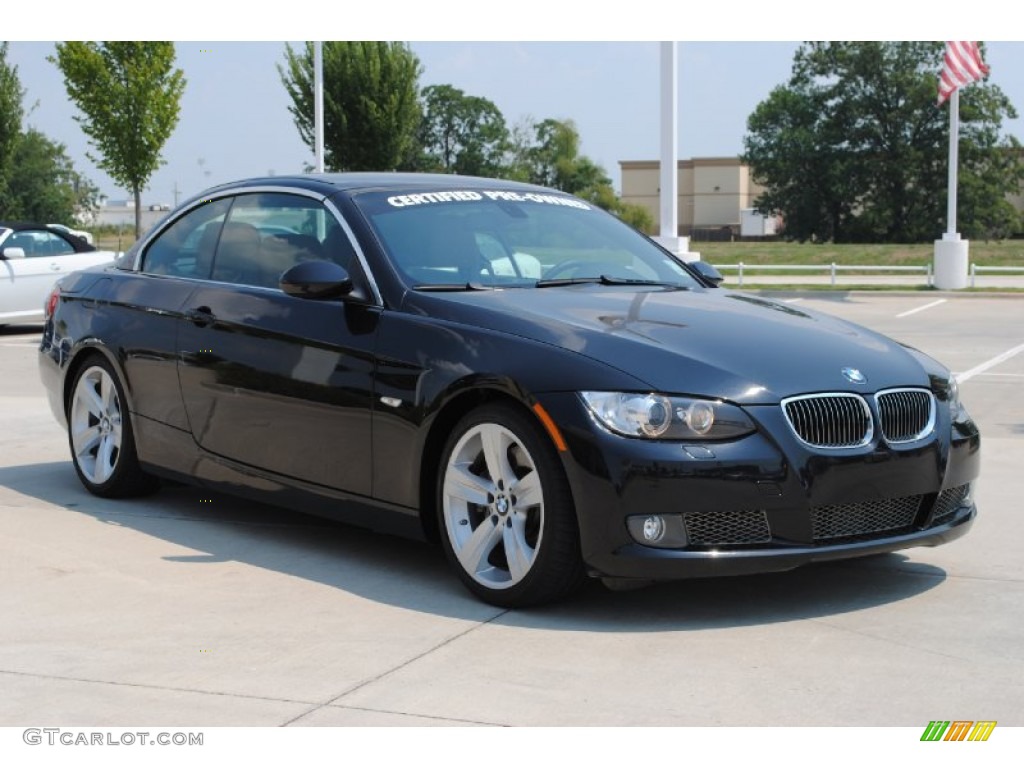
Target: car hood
[[709, 342]]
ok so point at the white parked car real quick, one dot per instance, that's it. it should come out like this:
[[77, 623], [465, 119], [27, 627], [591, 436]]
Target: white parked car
[[32, 258]]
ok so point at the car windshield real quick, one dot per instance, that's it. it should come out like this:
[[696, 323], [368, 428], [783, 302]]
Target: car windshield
[[452, 238]]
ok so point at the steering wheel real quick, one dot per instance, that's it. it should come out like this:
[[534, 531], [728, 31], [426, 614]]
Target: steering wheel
[[595, 268], [472, 273]]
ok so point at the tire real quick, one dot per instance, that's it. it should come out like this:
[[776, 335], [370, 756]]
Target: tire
[[101, 437], [505, 512]]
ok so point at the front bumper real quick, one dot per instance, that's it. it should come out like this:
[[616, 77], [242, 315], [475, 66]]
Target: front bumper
[[809, 505], [635, 561]]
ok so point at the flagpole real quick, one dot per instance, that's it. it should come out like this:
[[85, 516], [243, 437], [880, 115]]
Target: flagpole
[[954, 160], [949, 264]]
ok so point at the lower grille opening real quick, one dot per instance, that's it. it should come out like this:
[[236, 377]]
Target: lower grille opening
[[866, 519], [948, 502], [716, 529]]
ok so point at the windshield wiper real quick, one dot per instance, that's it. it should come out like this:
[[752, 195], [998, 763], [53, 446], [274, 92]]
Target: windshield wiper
[[605, 280], [452, 287]]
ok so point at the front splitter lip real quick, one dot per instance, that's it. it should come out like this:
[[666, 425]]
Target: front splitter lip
[[635, 561]]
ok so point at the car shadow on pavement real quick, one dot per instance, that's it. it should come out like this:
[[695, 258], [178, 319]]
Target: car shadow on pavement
[[414, 576], [21, 330]]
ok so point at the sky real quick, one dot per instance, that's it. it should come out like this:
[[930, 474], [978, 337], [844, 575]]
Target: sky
[[235, 123]]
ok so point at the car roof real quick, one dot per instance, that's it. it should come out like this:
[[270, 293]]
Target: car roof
[[329, 183], [78, 243]]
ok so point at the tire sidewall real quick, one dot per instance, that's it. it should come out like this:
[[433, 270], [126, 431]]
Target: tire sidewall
[[559, 533], [127, 478]]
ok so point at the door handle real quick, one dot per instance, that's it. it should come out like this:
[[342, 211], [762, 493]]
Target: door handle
[[200, 316], [55, 267]]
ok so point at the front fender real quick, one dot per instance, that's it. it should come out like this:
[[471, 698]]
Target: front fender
[[426, 365]]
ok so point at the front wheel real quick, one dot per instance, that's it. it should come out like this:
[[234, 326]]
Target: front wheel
[[101, 437], [506, 510]]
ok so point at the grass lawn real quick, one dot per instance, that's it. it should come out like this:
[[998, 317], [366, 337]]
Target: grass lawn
[[109, 241]]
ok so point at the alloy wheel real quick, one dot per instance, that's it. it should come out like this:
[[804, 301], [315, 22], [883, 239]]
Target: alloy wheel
[[493, 506], [96, 425]]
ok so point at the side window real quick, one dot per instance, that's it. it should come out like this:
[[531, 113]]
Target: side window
[[24, 240], [37, 243], [186, 248], [267, 233], [55, 245]]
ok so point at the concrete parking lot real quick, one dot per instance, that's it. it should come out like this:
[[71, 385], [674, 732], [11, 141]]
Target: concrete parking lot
[[188, 609]]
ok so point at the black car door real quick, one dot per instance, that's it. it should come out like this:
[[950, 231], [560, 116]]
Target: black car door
[[279, 383], [145, 310]]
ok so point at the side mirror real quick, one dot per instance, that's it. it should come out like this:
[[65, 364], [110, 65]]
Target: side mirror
[[316, 280], [12, 252], [708, 272]]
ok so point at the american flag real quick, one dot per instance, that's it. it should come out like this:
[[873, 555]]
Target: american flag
[[961, 66]]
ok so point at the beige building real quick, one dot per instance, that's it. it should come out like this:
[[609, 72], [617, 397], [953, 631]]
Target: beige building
[[121, 213], [712, 192]]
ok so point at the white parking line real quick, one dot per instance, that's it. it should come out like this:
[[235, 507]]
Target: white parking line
[[970, 374], [921, 309], [791, 301]]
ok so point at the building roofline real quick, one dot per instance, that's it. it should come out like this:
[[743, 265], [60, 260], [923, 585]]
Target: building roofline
[[648, 165]]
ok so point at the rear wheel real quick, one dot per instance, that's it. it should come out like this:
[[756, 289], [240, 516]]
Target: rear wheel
[[508, 522], [100, 434]]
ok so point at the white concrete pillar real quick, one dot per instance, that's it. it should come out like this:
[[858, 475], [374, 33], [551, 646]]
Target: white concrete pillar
[[950, 262]]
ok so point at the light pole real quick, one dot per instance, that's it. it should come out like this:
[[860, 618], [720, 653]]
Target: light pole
[[318, 103], [669, 171]]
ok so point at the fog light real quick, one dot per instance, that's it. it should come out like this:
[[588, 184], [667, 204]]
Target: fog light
[[661, 531], [654, 528]]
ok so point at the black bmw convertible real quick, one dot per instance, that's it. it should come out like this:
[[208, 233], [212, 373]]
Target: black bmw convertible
[[506, 370]]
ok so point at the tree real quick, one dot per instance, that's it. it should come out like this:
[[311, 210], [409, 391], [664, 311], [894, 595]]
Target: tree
[[854, 148], [461, 134], [552, 159], [518, 149], [808, 174], [637, 216], [129, 94], [555, 159], [44, 186], [547, 153], [10, 119], [371, 103]]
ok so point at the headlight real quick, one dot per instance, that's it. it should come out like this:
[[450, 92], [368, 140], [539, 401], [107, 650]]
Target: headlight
[[953, 394], [667, 418]]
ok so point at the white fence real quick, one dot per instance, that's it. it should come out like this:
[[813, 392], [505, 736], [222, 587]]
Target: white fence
[[976, 270], [832, 270]]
